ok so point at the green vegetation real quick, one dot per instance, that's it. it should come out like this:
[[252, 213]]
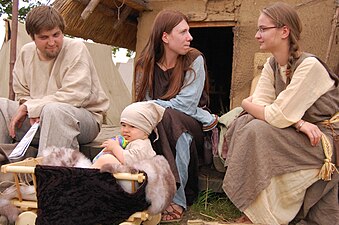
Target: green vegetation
[[212, 206], [129, 52], [6, 7]]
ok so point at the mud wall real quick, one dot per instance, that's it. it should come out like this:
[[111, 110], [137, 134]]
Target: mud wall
[[316, 16]]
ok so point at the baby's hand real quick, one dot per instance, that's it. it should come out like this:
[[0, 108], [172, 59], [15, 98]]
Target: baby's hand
[[110, 144]]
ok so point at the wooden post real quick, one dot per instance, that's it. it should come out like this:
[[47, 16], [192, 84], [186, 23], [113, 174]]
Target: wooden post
[[334, 27], [89, 8], [14, 35]]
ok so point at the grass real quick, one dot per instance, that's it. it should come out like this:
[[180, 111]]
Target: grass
[[211, 206]]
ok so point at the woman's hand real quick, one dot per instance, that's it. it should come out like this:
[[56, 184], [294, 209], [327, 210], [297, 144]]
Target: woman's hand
[[246, 101], [312, 131], [255, 110]]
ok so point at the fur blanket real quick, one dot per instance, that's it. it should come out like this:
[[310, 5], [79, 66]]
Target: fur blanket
[[9, 210], [161, 185], [53, 156]]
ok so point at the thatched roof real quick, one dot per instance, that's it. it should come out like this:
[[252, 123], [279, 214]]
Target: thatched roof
[[112, 22]]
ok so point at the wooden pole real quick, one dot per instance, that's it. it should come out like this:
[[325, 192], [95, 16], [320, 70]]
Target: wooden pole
[[14, 35], [89, 8], [334, 27]]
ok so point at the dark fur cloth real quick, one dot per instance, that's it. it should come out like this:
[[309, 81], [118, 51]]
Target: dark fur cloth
[[161, 185], [83, 196]]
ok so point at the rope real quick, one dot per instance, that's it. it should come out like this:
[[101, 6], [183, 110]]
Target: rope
[[328, 167], [335, 118], [119, 7]]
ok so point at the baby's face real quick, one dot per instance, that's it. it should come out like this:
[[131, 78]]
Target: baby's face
[[131, 133]]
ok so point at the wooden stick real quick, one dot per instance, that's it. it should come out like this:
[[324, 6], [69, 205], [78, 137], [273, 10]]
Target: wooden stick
[[89, 9], [140, 177], [17, 185], [334, 27], [13, 47], [34, 182], [25, 204]]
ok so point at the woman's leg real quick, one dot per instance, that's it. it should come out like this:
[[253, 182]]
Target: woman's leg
[[182, 159]]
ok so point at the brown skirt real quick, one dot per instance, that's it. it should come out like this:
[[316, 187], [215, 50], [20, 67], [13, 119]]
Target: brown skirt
[[258, 151]]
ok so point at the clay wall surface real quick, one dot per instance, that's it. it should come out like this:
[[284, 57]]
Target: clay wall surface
[[316, 16]]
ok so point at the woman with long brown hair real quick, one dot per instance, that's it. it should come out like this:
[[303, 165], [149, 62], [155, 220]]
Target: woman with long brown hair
[[173, 74]]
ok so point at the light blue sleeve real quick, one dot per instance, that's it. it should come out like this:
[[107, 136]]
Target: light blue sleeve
[[188, 98]]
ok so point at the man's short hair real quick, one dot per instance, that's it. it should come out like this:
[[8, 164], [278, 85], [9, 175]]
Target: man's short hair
[[43, 18]]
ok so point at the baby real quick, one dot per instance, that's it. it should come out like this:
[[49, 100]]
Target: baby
[[137, 122]]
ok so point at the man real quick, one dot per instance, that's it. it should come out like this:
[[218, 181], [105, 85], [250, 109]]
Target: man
[[56, 84]]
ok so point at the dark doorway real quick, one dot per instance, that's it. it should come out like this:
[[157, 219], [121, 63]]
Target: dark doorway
[[216, 43]]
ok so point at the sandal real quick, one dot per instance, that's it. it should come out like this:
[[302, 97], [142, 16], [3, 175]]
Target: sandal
[[171, 214]]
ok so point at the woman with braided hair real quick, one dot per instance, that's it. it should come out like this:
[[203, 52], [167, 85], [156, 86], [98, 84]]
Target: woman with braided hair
[[276, 149]]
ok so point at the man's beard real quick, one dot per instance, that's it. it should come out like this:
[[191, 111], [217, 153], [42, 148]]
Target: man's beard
[[53, 54]]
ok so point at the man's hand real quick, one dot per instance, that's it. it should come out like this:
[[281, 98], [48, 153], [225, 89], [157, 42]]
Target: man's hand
[[17, 119], [34, 120]]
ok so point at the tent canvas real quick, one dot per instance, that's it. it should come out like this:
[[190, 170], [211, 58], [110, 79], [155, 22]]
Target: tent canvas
[[109, 75]]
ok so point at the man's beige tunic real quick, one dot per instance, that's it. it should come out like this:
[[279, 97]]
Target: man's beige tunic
[[65, 93], [70, 78]]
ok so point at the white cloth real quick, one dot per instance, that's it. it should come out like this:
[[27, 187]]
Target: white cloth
[[143, 115], [70, 78], [309, 81], [280, 202], [138, 150]]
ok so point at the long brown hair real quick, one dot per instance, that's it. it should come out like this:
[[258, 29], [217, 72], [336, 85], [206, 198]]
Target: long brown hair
[[165, 21], [281, 15]]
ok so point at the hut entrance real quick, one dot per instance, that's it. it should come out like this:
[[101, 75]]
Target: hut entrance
[[216, 43]]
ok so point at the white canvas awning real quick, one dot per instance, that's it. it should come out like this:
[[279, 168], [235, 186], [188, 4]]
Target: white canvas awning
[[109, 75]]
